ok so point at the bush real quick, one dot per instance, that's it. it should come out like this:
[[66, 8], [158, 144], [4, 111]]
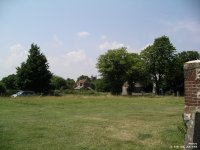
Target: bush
[[80, 92], [10, 92], [56, 93], [2, 89], [73, 92]]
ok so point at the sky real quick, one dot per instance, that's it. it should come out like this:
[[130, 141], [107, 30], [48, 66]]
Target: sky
[[72, 34]]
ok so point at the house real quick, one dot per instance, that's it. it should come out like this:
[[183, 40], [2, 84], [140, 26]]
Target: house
[[82, 84]]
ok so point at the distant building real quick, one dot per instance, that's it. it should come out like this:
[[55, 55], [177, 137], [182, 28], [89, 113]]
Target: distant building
[[83, 84]]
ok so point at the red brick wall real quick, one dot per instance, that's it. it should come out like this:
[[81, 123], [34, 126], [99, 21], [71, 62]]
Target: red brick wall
[[192, 86]]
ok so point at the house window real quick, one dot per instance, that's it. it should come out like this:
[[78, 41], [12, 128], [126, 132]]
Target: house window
[[81, 84]]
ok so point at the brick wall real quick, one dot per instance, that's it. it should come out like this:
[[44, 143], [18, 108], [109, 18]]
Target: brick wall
[[192, 85], [192, 104]]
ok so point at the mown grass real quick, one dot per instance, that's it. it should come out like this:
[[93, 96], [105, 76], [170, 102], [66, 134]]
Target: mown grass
[[90, 123]]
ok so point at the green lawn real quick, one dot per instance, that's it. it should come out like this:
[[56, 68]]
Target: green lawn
[[90, 123]]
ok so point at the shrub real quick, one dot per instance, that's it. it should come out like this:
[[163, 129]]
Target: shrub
[[10, 92], [2, 89]]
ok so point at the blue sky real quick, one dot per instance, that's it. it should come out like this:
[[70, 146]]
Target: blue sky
[[73, 33]]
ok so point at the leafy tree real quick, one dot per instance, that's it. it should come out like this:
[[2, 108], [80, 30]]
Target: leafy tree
[[101, 85], [177, 79], [70, 83], [34, 74], [57, 83], [159, 60], [136, 72], [10, 82], [113, 67], [188, 56]]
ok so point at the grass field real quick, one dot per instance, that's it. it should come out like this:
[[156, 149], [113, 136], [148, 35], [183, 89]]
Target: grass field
[[91, 123]]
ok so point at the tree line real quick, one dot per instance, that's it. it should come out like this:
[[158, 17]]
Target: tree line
[[159, 67]]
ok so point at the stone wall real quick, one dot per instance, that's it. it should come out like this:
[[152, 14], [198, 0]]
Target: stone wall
[[192, 104]]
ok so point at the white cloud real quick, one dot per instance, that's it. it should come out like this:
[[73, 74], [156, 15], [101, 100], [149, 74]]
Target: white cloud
[[16, 56], [108, 45], [103, 37], [72, 64], [83, 34], [115, 45]]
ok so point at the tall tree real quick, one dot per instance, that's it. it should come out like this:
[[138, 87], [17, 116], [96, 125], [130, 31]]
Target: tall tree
[[113, 68], [159, 60], [34, 74]]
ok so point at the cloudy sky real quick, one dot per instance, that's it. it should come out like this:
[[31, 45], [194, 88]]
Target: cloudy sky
[[73, 33]]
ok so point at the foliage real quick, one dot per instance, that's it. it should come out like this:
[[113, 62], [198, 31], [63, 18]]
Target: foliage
[[188, 56], [58, 83], [157, 64], [2, 89], [159, 60], [118, 66], [137, 72], [83, 77], [70, 83], [177, 78], [10, 82], [57, 93], [81, 92], [101, 85], [34, 74], [113, 67]]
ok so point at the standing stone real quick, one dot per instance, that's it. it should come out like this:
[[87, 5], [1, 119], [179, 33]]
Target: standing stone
[[192, 104], [125, 88], [154, 88]]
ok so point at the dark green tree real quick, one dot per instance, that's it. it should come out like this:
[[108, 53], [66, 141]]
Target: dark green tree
[[34, 74], [176, 79], [159, 60], [113, 67], [101, 85], [70, 83], [136, 72], [58, 83], [10, 82], [2, 89]]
